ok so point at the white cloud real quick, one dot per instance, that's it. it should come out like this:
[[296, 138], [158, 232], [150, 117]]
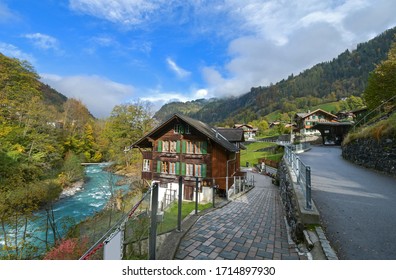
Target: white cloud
[[13, 51], [201, 93], [125, 12], [99, 94], [43, 41], [266, 40], [180, 72], [275, 39]]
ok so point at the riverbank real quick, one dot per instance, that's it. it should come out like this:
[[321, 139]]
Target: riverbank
[[72, 190]]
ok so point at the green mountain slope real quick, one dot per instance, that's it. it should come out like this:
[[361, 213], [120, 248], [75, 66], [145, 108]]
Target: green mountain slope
[[329, 81]]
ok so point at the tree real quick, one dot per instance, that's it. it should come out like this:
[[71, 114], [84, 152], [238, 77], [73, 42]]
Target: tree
[[381, 85], [127, 124], [72, 170], [75, 116]]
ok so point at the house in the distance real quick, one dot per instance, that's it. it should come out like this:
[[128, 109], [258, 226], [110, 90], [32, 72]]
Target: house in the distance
[[182, 146], [306, 121], [250, 132]]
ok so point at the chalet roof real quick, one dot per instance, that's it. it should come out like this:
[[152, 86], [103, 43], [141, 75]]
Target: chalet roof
[[305, 115], [209, 131], [232, 134], [250, 127]]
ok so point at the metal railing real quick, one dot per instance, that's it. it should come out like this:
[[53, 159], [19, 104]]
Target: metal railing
[[240, 185], [302, 172], [372, 113], [300, 147]]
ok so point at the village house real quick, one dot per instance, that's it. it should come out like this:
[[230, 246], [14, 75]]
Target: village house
[[249, 131], [306, 121], [188, 148]]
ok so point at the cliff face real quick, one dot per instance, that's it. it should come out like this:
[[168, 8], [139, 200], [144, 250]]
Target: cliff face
[[375, 154]]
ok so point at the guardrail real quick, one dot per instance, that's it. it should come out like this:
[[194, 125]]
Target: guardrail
[[302, 172]]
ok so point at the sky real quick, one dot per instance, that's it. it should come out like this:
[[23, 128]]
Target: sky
[[110, 52]]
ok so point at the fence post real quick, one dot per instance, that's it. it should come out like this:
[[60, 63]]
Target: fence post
[[308, 187], [227, 186], [298, 168], [213, 192], [179, 205], [153, 226], [196, 195]]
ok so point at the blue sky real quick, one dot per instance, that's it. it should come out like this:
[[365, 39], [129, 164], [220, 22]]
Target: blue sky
[[108, 52]]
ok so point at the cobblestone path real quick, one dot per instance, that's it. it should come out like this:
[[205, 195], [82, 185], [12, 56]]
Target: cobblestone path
[[251, 227]]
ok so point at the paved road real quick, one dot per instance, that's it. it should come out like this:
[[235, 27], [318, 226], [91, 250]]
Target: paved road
[[251, 227], [357, 205]]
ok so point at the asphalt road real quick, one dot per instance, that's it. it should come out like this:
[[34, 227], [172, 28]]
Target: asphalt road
[[357, 205]]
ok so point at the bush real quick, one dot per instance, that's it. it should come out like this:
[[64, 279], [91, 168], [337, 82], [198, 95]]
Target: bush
[[68, 249]]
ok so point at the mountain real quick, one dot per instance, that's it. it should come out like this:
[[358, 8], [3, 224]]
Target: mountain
[[185, 108], [329, 81], [52, 97]]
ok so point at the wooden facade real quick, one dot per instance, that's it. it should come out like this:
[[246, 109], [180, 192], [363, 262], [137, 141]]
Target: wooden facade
[[185, 147], [306, 121]]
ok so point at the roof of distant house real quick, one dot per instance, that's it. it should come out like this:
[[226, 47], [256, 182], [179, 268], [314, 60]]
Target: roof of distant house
[[305, 115], [245, 125]]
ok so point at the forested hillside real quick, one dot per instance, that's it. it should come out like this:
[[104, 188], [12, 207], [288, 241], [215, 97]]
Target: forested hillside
[[329, 81], [44, 137]]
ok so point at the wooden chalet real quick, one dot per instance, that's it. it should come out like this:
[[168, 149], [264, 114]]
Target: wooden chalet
[[306, 121], [249, 131], [182, 146]]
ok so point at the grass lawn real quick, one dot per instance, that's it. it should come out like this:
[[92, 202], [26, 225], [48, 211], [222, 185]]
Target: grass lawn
[[252, 153], [170, 215], [329, 107]]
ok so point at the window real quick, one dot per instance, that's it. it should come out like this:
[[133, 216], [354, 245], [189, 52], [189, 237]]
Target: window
[[181, 129], [164, 167], [194, 147], [189, 169], [172, 168], [197, 147], [198, 170], [173, 146], [189, 147], [146, 165], [165, 146]]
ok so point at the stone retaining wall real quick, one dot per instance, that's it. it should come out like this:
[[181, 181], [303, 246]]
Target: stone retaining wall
[[375, 154], [290, 203], [293, 199]]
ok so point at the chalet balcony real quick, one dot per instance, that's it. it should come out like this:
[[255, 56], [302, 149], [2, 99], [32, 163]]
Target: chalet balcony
[[168, 176], [169, 155], [194, 156]]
